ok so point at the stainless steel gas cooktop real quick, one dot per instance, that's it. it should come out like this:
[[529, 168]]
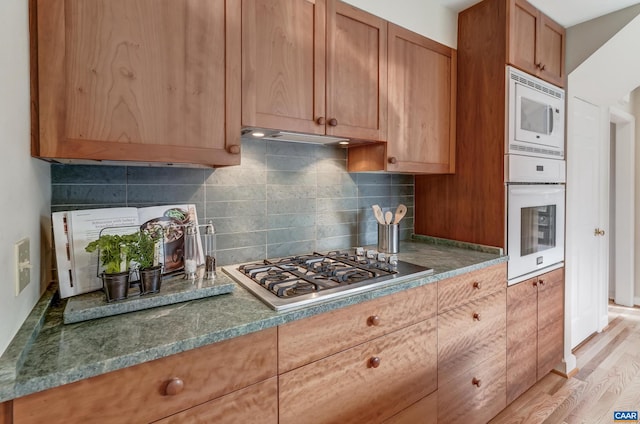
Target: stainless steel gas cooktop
[[296, 281]]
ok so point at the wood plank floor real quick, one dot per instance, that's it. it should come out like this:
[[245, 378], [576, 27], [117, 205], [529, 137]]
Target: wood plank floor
[[608, 380]]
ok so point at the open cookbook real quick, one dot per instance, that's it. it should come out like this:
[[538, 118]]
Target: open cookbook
[[78, 270]]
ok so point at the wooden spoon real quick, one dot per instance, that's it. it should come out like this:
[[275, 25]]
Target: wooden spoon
[[377, 212], [388, 217], [401, 211]]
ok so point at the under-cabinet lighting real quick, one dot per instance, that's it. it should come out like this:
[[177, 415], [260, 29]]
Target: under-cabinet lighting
[[257, 134]]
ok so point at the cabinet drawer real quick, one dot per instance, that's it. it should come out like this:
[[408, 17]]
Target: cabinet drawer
[[424, 411], [256, 404], [470, 334], [457, 291], [139, 392], [348, 388], [313, 338], [475, 396]]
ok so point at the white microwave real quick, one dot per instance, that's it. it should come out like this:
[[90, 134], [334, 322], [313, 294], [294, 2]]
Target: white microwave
[[535, 116]]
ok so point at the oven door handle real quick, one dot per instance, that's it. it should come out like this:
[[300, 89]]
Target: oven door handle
[[550, 118]]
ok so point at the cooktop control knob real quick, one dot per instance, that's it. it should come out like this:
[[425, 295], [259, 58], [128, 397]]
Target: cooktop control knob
[[359, 251], [371, 254], [393, 260], [381, 257]]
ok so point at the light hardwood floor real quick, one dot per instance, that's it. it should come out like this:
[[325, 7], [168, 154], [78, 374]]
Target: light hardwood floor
[[608, 380]]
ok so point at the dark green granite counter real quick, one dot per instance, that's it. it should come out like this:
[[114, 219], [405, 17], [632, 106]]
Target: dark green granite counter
[[47, 353]]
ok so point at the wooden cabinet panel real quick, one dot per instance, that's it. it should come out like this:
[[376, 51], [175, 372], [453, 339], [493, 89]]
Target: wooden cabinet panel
[[356, 73], [550, 321], [462, 401], [421, 109], [313, 338], [139, 80], [551, 51], [283, 64], [456, 291], [6, 412], [522, 333], [140, 392], [424, 411], [348, 388], [256, 404], [469, 334], [317, 67]]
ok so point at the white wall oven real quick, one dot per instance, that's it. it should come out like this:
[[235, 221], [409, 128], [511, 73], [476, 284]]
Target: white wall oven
[[536, 116]]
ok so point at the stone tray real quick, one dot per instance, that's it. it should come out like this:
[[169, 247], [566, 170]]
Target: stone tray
[[174, 289]]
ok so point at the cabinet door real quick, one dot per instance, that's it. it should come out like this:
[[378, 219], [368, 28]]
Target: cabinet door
[[522, 335], [523, 36], [550, 320], [139, 80], [422, 102], [424, 411], [356, 73], [6, 412], [365, 384], [550, 52], [283, 64]]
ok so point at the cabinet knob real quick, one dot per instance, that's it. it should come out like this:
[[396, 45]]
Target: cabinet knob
[[476, 316], [374, 320], [476, 285], [476, 382], [374, 362], [541, 282], [174, 386], [535, 283], [333, 122], [234, 149], [542, 67], [393, 160], [321, 120]]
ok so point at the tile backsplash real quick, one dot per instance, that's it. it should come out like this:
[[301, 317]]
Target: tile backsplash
[[283, 199]]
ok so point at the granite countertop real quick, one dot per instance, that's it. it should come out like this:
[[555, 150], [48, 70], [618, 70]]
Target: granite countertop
[[47, 353]]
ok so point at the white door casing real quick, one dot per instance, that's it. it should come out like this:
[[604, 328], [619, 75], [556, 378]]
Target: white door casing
[[587, 199]]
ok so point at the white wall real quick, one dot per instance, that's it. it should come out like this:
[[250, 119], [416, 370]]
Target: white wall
[[422, 16], [25, 182]]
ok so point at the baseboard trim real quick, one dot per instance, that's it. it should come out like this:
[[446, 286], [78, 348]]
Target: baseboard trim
[[567, 375]]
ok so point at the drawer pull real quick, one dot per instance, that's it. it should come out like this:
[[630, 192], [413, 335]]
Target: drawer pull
[[174, 387], [476, 285], [374, 362], [476, 316], [373, 320], [476, 382]]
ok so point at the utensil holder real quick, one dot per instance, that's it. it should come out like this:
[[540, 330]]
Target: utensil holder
[[389, 238]]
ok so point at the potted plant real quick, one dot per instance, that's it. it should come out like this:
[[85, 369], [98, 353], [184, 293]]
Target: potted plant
[[145, 253], [115, 251]]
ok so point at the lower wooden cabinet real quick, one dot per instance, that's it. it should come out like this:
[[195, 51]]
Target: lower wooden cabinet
[[157, 389], [535, 330], [5, 412], [424, 411], [365, 384]]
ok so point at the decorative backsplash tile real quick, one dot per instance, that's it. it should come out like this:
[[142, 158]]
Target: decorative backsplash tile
[[283, 199]]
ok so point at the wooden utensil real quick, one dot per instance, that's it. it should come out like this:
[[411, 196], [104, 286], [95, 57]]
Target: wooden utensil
[[401, 211], [377, 212], [388, 217]]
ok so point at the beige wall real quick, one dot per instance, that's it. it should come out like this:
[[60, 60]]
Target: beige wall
[[26, 191]]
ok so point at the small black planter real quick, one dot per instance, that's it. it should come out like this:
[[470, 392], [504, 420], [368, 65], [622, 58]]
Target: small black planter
[[116, 286], [150, 279]]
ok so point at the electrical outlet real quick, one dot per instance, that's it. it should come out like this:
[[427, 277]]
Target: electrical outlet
[[23, 264]]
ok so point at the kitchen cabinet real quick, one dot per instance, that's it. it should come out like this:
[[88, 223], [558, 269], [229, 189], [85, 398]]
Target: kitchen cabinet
[[535, 330], [536, 42], [163, 387], [315, 67], [137, 80], [470, 205], [421, 109], [424, 411], [364, 363], [5, 412], [471, 346]]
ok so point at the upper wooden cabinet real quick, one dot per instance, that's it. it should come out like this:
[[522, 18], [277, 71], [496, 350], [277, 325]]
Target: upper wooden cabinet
[[315, 67], [137, 80], [421, 108], [536, 43]]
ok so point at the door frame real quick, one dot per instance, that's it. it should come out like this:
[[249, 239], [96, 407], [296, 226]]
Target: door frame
[[624, 229]]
